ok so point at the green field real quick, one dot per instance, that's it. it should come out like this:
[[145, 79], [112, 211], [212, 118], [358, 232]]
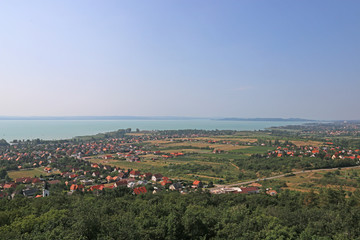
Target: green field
[[190, 166], [34, 172], [198, 162], [254, 150]]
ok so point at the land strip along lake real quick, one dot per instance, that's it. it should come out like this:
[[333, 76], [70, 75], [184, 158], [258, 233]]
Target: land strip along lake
[[65, 129]]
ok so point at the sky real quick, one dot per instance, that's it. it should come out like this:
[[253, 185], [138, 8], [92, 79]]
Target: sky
[[203, 58]]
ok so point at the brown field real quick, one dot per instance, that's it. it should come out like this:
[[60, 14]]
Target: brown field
[[155, 142], [228, 147], [230, 138], [307, 143], [225, 147], [187, 150]]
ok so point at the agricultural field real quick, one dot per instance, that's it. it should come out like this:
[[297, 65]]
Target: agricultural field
[[253, 150], [186, 150], [307, 143], [35, 172], [237, 157], [183, 167], [198, 161], [347, 179], [227, 138], [180, 145]]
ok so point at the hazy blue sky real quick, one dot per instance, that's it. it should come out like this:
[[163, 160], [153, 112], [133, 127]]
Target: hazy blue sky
[[181, 58]]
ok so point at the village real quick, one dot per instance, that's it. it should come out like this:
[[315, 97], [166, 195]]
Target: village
[[91, 166], [104, 177]]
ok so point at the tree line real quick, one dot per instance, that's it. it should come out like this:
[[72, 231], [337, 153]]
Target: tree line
[[118, 214]]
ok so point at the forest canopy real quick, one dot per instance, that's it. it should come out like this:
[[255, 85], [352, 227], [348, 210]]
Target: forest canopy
[[169, 215]]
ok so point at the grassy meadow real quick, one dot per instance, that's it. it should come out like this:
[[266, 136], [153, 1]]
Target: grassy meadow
[[34, 172], [347, 179]]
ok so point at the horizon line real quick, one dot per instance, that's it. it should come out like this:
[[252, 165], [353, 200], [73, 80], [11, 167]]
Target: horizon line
[[128, 117]]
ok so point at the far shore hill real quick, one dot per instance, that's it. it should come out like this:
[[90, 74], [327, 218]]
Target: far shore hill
[[149, 118]]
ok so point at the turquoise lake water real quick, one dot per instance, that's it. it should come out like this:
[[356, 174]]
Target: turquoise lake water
[[64, 129]]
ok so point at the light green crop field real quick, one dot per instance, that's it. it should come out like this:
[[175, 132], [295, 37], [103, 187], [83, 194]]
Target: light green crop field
[[35, 172]]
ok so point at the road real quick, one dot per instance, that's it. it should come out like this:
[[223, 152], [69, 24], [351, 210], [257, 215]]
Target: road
[[279, 176]]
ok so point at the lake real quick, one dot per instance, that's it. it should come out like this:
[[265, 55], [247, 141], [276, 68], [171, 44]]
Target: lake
[[63, 129]]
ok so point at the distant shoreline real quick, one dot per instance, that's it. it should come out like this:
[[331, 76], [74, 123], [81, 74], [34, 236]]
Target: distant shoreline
[[268, 119], [63, 129], [150, 118]]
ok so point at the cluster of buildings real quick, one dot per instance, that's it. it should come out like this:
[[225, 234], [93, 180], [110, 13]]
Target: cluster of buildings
[[327, 152], [27, 186], [94, 180], [95, 177], [253, 188], [132, 179]]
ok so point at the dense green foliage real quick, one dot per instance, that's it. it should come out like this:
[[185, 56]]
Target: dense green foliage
[[169, 215], [100, 136], [3, 173]]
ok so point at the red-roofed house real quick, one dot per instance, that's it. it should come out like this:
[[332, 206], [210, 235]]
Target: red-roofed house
[[73, 176], [35, 180], [19, 180], [197, 184], [9, 185], [97, 187], [271, 192], [249, 190], [116, 178], [109, 178], [165, 181], [122, 182], [75, 187], [140, 190], [94, 165]]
